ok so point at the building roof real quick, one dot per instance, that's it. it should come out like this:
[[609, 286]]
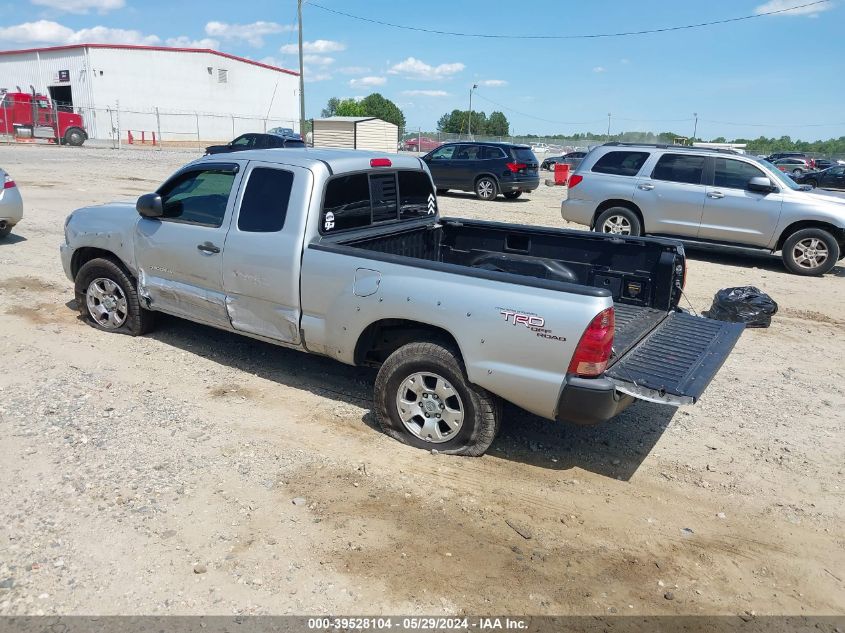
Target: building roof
[[152, 48], [350, 119]]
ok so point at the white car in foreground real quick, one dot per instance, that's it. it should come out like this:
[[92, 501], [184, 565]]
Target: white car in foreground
[[11, 204]]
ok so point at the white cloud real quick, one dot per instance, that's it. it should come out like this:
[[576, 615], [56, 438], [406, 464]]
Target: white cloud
[[425, 93], [367, 81], [780, 5], [624, 60], [413, 68], [49, 32], [493, 83], [252, 33], [183, 41], [81, 6], [316, 76], [354, 70], [319, 60], [317, 46], [599, 69]]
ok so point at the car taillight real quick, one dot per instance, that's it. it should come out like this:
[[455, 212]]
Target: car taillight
[[574, 179], [515, 167], [8, 183], [594, 349], [380, 162]]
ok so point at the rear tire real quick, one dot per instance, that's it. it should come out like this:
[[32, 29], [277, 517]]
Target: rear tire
[[486, 188], [812, 183], [74, 137], [5, 231], [108, 299], [440, 192], [421, 376], [618, 221], [810, 252], [512, 195], [797, 171]]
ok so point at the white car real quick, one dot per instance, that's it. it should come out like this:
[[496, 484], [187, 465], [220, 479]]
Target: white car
[[11, 204], [540, 147]]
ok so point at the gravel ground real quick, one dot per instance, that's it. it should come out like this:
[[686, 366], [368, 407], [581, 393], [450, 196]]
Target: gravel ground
[[194, 471]]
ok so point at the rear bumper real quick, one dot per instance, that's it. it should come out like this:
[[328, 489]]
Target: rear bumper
[[578, 211], [528, 184], [590, 401]]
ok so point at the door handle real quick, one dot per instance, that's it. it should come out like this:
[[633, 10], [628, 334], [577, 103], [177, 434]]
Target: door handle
[[208, 247], [646, 186], [715, 195]]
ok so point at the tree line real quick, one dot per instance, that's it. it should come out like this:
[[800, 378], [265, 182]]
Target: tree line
[[457, 122], [372, 105]]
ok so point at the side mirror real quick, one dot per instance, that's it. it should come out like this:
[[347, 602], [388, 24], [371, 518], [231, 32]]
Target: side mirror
[[760, 184], [149, 205]]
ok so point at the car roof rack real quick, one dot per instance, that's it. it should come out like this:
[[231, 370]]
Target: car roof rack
[[718, 150]]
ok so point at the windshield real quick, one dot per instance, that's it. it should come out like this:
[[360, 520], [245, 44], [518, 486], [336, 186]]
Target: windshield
[[781, 177]]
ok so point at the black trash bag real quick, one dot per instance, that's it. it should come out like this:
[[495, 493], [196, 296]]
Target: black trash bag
[[747, 305]]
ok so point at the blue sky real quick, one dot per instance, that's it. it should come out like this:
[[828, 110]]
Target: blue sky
[[771, 75]]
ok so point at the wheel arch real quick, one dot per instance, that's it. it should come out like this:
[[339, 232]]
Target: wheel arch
[[614, 202], [486, 173], [82, 256], [383, 337], [837, 232]]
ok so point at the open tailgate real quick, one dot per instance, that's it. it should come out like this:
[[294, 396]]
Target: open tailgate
[[677, 360]]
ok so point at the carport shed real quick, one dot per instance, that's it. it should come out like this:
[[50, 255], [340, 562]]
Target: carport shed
[[353, 132]]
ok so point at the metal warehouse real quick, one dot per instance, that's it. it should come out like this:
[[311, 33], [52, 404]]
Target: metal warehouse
[[179, 93], [354, 132]]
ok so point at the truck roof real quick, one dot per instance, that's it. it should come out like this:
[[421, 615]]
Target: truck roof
[[337, 160]]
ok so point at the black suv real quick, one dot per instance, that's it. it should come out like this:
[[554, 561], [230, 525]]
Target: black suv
[[255, 141], [488, 169]]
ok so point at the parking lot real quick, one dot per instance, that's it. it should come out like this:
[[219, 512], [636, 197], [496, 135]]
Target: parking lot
[[226, 475]]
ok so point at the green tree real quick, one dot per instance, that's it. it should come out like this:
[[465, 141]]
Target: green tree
[[349, 107], [497, 124], [331, 108], [376, 105]]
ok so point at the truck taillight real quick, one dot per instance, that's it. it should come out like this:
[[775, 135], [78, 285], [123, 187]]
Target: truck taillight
[[515, 167], [594, 349], [8, 183], [380, 162], [574, 179]]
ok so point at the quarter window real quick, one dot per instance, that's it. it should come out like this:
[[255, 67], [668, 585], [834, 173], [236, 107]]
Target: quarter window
[[265, 201], [198, 197], [416, 195], [620, 163], [347, 203], [734, 174], [679, 168], [489, 152]]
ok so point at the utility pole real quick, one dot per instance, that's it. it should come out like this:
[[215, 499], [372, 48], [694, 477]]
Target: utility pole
[[301, 75], [695, 128], [469, 123], [608, 126]]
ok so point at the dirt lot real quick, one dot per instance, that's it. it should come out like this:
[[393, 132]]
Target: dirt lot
[[194, 471]]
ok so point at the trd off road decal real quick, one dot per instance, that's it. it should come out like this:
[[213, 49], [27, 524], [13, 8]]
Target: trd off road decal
[[533, 322], [432, 204], [328, 222]]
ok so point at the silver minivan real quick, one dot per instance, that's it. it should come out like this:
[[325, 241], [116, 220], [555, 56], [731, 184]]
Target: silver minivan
[[706, 197]]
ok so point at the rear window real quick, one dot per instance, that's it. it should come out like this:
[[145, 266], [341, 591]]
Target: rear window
[[679, 168], [523, 155], [621, 163], [359, 200]]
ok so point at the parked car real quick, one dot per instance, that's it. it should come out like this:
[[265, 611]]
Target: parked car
[[830, 178], [457, 314], [540, 148], [256, 141], [287, 132], [709, 198], [420, 144], [822, 163], [488, 169], [11, 204], [796, 166], [573, 159], [778, 155]]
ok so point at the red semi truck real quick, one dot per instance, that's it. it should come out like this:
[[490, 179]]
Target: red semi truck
[[32, 115]]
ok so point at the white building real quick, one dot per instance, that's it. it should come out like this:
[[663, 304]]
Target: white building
[[356, 132], [199, 93]]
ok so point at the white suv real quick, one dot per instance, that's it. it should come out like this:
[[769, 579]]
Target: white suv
[[706, 197]]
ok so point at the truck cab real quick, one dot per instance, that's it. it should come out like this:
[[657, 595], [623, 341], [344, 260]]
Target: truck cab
[[29, 115]]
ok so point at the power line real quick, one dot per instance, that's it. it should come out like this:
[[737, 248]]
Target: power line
[[531, 116], [575, 36], [772, 124]]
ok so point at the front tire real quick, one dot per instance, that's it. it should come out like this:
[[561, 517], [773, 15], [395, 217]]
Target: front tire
[[797, 171], [813, 184], [108, 300], [74, 137], [810, 252], [512, 195], [423, 399], [486, 188], [440, 192], [619, 221]]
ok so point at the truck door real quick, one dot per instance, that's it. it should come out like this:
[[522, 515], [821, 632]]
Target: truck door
[[263, 251], [179, 255]]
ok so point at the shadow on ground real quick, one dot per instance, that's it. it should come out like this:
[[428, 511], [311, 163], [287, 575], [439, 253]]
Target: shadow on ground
[[750, 259], [614, 449], [12, 238]]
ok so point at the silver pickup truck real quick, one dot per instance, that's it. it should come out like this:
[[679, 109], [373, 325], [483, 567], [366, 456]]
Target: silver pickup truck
[[344, 254]]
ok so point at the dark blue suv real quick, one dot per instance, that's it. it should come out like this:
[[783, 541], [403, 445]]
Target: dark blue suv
[[488, 169]]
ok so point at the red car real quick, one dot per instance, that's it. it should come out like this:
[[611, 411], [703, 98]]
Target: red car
[[420, 144]]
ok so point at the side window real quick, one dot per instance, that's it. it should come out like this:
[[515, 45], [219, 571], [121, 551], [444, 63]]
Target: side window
[[836, 172], [679, 168], [466, 152], [416, 195], [243, 141], [734, 174], [621, 163], [265, 201], [198, 197], [347, 203], [444, 153], [489, 152]]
